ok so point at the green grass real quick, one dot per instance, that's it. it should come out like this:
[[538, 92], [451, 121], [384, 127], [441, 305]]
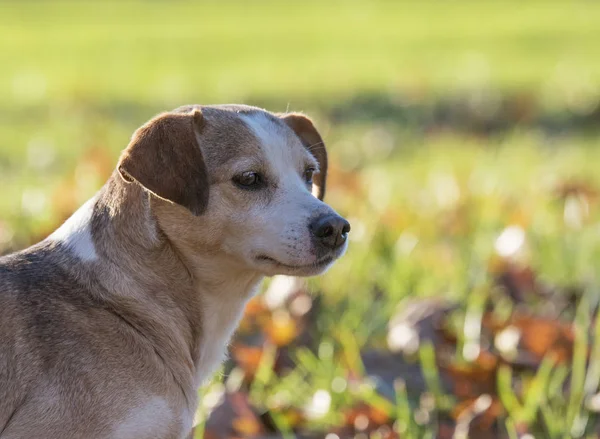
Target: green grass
[[427, 200], [149, 53]]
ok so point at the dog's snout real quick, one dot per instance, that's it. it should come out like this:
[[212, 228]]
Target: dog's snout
[[330, 230]]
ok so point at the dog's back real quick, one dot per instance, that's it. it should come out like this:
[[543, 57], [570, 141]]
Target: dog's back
[[19, 367], [53, 346], [36, 331]]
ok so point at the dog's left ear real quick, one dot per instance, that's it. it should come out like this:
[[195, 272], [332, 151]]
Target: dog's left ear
[[305, 129], [165, 158]]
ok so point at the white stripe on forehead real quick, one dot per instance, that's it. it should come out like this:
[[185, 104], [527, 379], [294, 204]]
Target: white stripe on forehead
[[273, 138]]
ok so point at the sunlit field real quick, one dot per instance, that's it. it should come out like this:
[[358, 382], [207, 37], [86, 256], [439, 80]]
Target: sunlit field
[[464, 147]]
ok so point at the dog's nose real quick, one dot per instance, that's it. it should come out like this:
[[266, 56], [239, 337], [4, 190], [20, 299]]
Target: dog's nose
[[330, 230]]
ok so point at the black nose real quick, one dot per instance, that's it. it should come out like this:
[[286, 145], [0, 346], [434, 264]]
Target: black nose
[[330, 230]]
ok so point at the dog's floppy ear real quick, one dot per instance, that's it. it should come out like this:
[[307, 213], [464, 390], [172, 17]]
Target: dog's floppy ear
[[305, 129], [165, 158]]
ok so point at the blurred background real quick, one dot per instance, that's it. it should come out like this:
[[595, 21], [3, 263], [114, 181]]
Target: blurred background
[[464, 149]]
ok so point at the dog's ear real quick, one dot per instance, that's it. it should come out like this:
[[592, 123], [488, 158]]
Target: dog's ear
[[305, 129], [165, 158]]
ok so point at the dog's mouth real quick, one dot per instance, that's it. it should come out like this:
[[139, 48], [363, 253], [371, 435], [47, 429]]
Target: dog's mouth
[[317, 264]]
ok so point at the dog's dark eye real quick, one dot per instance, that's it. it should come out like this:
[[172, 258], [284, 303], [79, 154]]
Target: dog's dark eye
[[308, 175], [249, 180]]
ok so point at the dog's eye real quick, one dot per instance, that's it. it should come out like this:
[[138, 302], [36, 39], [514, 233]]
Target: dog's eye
[[249, 180], [308, 175]]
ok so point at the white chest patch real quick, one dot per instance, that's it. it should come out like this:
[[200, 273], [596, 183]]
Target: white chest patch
[[187, 423], [76, 233], [152, 420], [220, 319]]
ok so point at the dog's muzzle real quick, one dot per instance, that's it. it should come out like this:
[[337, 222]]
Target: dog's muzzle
[[329, 231]]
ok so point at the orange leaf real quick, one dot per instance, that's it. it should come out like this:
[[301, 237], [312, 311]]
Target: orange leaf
[[282, 329], [484, 420], [540, 337], [363, 417], [255, 307], [472, 379], [247, 357], [247, 426]]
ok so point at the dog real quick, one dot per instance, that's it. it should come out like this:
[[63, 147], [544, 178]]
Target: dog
[[109, 326]]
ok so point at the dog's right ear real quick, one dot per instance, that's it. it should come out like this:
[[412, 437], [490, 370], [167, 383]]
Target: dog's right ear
[[165, 158]]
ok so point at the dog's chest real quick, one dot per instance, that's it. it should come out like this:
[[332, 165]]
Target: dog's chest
[[220, 318]]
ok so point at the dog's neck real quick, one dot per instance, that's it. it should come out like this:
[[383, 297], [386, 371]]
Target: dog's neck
[[195, 295]]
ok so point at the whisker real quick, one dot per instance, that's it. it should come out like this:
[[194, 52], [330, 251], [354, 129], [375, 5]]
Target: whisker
[[314, 145]]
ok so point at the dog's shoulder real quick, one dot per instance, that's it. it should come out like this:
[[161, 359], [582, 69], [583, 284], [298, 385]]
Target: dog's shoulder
[[36, 276], [21, 277], [38, 295]]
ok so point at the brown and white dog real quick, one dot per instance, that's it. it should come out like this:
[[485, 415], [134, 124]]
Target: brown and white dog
[[109, 326]]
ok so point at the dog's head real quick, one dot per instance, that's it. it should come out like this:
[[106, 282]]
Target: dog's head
[[243, 182]]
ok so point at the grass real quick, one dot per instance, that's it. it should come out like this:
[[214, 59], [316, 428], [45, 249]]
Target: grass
[[149, 54], [429, 193]]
